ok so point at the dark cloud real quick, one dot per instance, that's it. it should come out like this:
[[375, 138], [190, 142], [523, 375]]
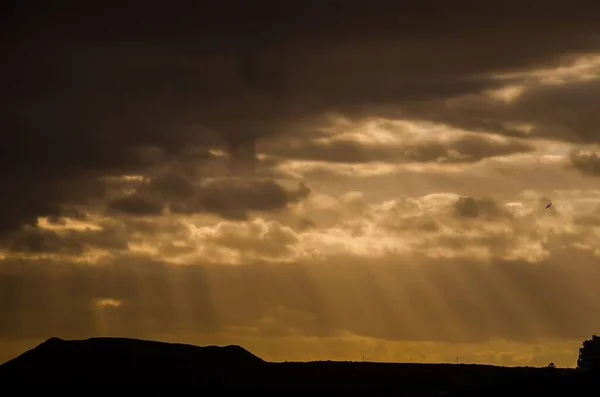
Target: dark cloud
[[590, 219], [469, 207], [229, 198], [587, 163], [563, 111], [470, 148], [33, 240], [88, 87], [136, 205], [305, 224]]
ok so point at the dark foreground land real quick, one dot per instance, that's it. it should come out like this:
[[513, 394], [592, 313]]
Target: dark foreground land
[[113, 365]]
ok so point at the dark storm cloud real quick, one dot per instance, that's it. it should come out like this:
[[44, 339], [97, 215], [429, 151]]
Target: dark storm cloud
[[136, 205], [87, 86], [229, 198]]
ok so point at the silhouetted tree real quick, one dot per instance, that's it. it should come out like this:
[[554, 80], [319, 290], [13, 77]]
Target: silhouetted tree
[[589, 354]]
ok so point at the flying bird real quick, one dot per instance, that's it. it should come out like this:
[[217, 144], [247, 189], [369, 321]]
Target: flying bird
[[548, 206]]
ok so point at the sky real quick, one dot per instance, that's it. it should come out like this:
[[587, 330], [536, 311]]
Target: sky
[[310, 180]]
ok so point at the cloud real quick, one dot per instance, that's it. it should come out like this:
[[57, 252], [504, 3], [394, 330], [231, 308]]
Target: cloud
[[589, 218], [468, 207], [84, 109], [586, 163], [440, 268], [230, 198], [70, 242], [373, 142], [256, 240], [556, 104]]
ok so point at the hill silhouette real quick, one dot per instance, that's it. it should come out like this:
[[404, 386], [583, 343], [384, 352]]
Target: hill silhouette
[[112, 364], [121, 361]]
